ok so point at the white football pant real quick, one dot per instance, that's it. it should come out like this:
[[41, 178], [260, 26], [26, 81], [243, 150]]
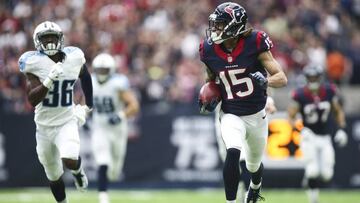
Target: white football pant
[[219, 139], [248, 134], [319, 155], [109, 145], [54, 143]]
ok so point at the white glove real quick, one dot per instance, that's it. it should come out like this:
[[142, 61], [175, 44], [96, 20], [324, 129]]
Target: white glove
[[270, 105], [81, 112], [341, 138], [55, 71]]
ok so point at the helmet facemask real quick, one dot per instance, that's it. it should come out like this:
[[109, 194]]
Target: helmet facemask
[[104, 66], [48, 38], [228, 21], [313, 82], [313, 74], [102, 74], [50, 46]]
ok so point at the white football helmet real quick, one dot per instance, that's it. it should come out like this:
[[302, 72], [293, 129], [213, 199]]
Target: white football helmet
[[48, 28], [102, 62]]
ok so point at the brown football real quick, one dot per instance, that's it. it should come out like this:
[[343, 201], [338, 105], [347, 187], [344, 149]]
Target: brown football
[[209, 91]]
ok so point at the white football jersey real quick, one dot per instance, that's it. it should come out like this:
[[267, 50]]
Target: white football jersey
[[57, 107], [106, 97]]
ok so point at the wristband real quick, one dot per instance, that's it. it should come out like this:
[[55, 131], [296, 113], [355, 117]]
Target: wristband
[[48, 83]]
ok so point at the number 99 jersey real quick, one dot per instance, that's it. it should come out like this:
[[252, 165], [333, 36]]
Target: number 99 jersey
[[240, 95], [57, 107], [107, 98], [315, 109]]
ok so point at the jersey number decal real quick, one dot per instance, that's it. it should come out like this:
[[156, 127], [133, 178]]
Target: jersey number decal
[[66, 93], [236, 81], [313, 113], [104, 104]]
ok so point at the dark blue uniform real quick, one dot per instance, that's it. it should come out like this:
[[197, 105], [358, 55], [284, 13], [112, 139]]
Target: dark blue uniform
[[315, 109], [240, 95]]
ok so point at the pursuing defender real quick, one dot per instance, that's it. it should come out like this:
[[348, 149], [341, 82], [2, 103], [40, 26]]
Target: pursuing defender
[[315, 101], [51, 72], [114, 102], [239, 58]]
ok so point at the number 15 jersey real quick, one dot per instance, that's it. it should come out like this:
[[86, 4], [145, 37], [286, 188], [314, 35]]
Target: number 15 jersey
[[240, 95], [57, 107]]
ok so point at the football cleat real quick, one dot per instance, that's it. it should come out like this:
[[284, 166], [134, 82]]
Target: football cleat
[[253, 196], [81, 181]]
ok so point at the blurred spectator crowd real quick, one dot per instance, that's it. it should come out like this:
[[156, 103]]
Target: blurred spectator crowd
[[155, 42]]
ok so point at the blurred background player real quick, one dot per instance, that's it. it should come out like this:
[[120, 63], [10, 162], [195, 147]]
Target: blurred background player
[[240, 58], [51, 72], [244, 174], [315, 102], [114, 102]]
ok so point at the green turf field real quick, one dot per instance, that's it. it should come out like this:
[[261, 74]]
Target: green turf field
[[173, 196]]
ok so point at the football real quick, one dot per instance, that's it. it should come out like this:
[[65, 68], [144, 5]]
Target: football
[[209, 92]]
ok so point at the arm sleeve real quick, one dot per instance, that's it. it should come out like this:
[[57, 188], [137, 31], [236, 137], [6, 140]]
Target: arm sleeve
[[86, 86], [263, 42]]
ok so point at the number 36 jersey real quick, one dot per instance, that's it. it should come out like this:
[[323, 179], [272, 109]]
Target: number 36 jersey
[[106, 97], [57, 107], [316, 109], [240, 95]]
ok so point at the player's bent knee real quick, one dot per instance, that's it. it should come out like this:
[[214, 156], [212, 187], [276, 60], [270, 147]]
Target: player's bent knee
[[327, 175], [252, 168], [312, 173], [53, 172]]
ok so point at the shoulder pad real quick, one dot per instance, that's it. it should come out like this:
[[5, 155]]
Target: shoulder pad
[[120, 81], [75, 53], [28, 60], [263, 41]]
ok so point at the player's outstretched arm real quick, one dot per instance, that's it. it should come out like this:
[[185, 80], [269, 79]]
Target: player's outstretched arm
[[36, 91], [86, 86], [277, 76]]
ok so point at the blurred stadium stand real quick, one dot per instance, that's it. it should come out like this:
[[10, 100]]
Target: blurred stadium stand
[[155, 44]]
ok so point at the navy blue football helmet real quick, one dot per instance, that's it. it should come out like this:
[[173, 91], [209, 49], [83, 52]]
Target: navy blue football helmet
[[229, 18], [314, 75]]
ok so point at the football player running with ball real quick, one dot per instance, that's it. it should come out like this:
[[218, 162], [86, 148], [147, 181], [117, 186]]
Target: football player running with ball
[[114, 102], [239, 59], [315, 102], [51, 73]]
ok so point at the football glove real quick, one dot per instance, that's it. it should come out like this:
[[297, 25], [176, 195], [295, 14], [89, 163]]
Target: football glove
[[55, 71], [341, 138], [81, 112], [116, 118], [206, 108], [260, 79]]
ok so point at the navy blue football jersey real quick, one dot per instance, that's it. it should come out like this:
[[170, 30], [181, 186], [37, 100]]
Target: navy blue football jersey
[[240, 95], [316, 109]]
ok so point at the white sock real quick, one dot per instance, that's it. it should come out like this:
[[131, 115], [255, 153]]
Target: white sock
[[103, 197], [313, 195], [253, 186], [230, 201]]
